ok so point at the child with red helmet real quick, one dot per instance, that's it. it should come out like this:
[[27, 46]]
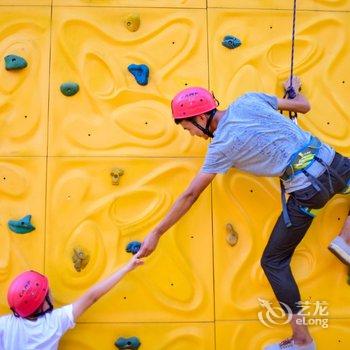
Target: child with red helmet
[[35, 324]]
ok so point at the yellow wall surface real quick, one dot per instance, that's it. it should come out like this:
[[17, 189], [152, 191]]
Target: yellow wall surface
[[57, 154]]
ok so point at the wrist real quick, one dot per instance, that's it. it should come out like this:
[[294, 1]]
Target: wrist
[[291, 92], [126, 268]]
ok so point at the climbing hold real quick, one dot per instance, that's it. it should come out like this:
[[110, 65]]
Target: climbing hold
[[132, 22], [140, 72], [69, 88], [133, 247], [131, 343], [13, 62], [22, 225], [80, 259], [231, 42], [232, 235], [116, 173]]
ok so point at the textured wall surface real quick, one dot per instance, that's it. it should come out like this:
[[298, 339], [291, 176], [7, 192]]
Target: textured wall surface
[[57, 154]]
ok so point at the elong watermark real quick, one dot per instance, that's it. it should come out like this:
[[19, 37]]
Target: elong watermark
[[311, 313]]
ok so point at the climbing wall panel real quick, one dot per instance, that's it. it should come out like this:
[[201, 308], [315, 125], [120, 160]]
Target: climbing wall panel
[[253, 335], [332, 5], [262, 63], [170, 336], [134, 3], [251, 206], [114, 125], [88, 214], [22, 192], [112, 114], [26, 2], [23, 93]]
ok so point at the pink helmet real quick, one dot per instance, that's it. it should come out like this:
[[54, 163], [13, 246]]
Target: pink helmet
[[27, 293], [191, 102]]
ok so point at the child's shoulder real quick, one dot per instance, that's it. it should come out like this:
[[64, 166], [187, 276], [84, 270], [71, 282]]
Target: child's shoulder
[[7, 320]]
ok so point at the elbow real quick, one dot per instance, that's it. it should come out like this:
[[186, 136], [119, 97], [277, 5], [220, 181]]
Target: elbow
[[93, 297], [191, 196], [305, 108]]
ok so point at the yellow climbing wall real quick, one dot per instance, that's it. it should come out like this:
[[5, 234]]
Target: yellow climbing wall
[[57, 154]]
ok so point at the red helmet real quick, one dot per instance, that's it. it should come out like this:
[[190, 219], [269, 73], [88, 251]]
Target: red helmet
[[191, 102], [27, 293]]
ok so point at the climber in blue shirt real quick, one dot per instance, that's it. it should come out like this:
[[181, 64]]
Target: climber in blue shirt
[[251, 135]]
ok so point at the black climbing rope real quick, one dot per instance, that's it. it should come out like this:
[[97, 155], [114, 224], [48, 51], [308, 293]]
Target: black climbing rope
[[290, 92]]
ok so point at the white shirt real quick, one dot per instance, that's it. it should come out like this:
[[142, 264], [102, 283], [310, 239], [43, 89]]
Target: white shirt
[[43, 334]]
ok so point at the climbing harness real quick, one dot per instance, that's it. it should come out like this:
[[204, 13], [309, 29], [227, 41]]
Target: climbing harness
[[309, 211], [300, 162], [346, 190], [290, 92], [302, 159]]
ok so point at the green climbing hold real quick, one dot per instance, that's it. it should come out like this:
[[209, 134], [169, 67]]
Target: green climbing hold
[[131, 343], [22, 225], [133, 247], [13, 62], [231, 42], [69, 88]]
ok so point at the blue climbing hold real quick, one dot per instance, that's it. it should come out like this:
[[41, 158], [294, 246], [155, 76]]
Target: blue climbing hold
[[133, 247], [231, 42], [131, 343], [13, 62], [140, 72], [22, 225], [69, 88]]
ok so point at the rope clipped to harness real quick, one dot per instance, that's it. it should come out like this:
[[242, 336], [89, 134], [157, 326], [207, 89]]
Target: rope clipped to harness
[[290, 93]]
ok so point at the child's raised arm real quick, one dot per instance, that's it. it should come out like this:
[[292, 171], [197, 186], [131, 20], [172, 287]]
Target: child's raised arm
[[101, 288]]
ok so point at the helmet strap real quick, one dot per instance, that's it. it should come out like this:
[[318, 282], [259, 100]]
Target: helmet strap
[[40, 313], [49, 309], [206, 130], [14, 312]]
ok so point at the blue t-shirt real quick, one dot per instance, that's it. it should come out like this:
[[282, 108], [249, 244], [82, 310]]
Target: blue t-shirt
[[254, 137]]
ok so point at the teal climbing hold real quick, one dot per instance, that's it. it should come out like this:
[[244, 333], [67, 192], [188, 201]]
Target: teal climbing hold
[[133, 247], [131, 343], [13, 62], [22, 225], [231, 42], [69, 88], [140, 72]]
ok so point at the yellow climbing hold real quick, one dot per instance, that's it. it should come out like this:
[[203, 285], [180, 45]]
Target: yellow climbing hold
[[132, 22], [232, 235], [116, 173], [80, 258]]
